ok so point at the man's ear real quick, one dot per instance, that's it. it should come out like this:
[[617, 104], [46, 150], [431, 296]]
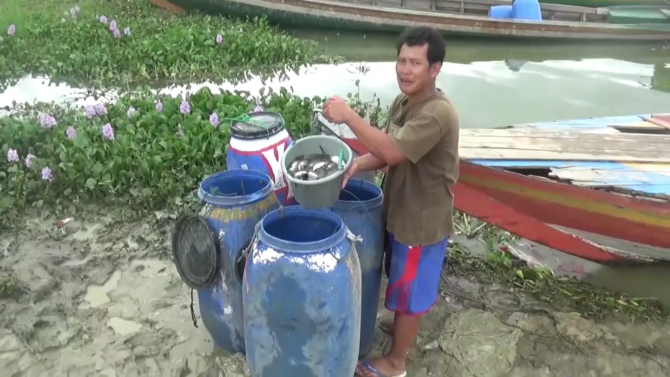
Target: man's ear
[[435, 69]]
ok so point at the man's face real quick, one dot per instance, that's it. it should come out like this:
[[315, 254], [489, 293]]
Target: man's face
[[413, 71]]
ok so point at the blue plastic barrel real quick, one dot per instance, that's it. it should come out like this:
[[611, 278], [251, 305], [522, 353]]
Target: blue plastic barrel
[[526, 10], [360, 206], [235, 201], [302, 297], [259, 143], [501, 12]]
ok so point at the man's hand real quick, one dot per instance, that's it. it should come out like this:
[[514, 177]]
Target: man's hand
[[336, 110], [354, 168]]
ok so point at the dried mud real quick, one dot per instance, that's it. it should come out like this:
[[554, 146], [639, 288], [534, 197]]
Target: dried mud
[[102, 298]]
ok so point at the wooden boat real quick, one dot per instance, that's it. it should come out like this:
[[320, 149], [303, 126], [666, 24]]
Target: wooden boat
[[595, 188], [454, 17], [603, 3]]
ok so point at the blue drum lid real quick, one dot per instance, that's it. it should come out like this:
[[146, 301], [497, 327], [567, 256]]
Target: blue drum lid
[[259, 125], [195, 251]]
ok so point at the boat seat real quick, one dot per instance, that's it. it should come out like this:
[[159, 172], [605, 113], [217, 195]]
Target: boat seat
[[638, 16]]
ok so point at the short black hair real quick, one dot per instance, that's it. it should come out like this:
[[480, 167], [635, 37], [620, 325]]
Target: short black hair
[[419, 36]]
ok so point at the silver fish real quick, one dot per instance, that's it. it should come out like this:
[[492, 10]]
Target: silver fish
[[336, 160], [294, 167], [312, 167], [319, 165], [300, 175]]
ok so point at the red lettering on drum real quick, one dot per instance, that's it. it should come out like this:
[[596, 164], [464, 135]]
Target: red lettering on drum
[[272, 157]]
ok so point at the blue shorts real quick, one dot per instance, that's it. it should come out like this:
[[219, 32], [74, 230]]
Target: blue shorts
[[414, 274]]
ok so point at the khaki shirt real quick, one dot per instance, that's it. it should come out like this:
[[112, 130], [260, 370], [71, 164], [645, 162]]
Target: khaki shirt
[[418, 202]]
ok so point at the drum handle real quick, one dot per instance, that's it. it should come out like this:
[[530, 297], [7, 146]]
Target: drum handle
[[244, 252]]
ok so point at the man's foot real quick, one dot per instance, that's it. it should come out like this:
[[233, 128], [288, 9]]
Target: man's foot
[[380, 367], [386, 325]]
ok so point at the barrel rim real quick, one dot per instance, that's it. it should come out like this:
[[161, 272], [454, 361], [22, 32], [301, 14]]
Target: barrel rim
[[369, 204], [240, 199], [302, 247], [260, 134]]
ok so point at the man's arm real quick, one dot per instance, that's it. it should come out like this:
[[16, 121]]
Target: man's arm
[[416, 138], [368, 162], [377, 142]]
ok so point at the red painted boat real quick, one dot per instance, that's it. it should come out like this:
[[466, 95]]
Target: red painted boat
[[595, 188]]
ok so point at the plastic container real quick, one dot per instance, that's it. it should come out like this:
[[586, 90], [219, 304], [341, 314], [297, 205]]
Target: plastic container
[[302, 297], [324, 192], [360, 207], [235, 201], [528, 10], [259, 144], [501, 12]]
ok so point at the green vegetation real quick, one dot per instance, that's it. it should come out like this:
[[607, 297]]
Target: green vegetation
[[124, 42], [558, 292], [146, 149]]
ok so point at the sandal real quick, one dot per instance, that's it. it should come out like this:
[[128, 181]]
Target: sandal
[[370, 369]]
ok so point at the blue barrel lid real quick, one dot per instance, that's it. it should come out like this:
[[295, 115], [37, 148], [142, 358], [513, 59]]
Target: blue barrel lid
[[195, 251], [261, 124]]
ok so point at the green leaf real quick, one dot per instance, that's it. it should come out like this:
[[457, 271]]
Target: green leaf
[[91, 183]]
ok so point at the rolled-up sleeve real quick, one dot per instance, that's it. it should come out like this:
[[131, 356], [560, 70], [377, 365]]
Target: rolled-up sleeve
[[418, 136]]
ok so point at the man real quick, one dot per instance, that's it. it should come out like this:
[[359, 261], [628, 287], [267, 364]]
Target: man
[[420, 149]]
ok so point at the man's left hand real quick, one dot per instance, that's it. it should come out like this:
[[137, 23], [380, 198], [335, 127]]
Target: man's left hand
[[336, 110]]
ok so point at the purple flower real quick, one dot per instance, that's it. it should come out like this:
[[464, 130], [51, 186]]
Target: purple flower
[[112, 26], [71, 133], [116, 33], [258, 108], [185, 108], [108, 132], [47, 174], [214, 120], [48, 121], [219, 38], [29, 160], [12, 155], [130, 112], [90, 111], [159, 106], [11, 30], [126, 31], [103, 19], [100, 109]]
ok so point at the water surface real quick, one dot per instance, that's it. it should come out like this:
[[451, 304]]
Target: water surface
[[486, 94]]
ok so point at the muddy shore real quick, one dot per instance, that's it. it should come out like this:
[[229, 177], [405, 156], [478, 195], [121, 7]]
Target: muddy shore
[[100, 296]]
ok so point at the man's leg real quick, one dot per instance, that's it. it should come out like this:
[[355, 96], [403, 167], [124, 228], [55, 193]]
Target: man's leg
[[414, 275]]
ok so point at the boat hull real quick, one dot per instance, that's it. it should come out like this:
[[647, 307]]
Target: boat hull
[[347, 16], [601, 3], [601, 226], [635, 221]]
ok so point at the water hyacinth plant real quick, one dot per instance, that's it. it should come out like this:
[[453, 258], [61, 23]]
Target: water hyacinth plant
[[134, 41], [152, 158]]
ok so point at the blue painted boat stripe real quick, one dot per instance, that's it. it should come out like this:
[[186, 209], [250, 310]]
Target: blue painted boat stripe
[[585, 123], [605, 173]]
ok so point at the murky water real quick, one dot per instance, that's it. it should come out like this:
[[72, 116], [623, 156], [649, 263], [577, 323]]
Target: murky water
[[486, 94]]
